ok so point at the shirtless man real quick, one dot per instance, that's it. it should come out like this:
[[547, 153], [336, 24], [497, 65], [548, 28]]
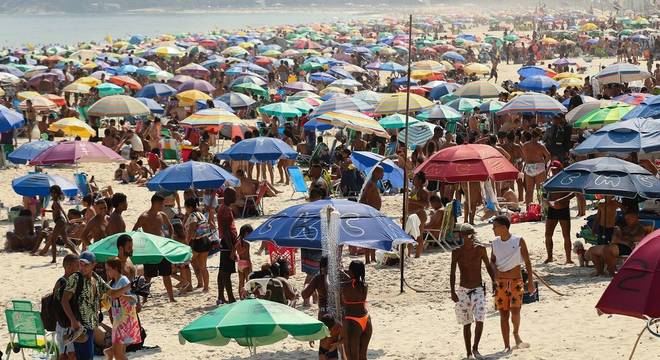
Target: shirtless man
[[124, 253], [508, 253], [418, 201], [470, 297], [437, 215], [154, 221], [116, 222], [371, 196], [475, 119], [95, 229], [472, 201], [536, 156], [605, 220], [507, 141], [558, 212]]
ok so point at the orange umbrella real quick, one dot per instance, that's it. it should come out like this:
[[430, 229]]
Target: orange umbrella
[[58, 100], [123, 80]]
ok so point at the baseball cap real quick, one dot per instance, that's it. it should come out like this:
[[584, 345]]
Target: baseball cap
[[87, 257], [464, 228]]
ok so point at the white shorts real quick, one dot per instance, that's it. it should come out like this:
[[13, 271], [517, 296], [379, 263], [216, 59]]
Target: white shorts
[[60, 332], [471, 305]]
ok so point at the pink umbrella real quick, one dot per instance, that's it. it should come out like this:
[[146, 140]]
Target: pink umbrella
[[74, 152], [177, 80], [197, 84]]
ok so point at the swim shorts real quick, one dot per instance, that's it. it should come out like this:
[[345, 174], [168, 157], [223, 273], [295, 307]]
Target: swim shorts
[[509, 294], [471, 305]]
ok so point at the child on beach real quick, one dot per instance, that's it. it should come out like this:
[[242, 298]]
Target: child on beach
[[243, 261], [329, 346]]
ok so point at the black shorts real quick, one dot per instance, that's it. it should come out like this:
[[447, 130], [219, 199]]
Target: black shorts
[[227, 264], [559, 214], [624, 249], [201, 245], [164, 268], [329, 354]]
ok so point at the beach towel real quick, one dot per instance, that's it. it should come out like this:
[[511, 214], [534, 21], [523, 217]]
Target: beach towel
[[412, 226]]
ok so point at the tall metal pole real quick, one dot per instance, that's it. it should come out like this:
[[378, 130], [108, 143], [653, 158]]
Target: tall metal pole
[[405, 148]]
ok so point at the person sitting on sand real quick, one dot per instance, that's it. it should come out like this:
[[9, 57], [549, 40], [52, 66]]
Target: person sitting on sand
[[95, 228], [23, 238]]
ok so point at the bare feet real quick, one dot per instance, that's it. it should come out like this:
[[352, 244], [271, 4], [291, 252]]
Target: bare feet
[[569, 262], [548, 260], [519, 343]]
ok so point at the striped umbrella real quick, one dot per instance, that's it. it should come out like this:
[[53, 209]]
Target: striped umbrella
[[39, 104], [302, 105], [538, 83], [250, 88], [418, 134], [396, 103], [118, 105], [492, 106], [648, 108], [354, 120], [440, 112], [396, 121], [603, 116], [236, 100], [77, 88], [621, 73], [442, 90], [210, 118], [302, 95], [534, 103], [368, 96], [581, 110], [155, 90], [280, 110], [342, 102], [479, 90], [632, 98], [194, 70], [300, 86], [72, 126], [168, 51], [464, 105]]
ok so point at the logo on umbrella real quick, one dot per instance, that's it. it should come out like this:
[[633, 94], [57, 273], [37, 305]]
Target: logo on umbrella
[[610, 180]]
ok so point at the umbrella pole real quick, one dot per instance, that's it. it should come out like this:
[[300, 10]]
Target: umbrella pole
[[636, 342], [467, 198], [405, 157]]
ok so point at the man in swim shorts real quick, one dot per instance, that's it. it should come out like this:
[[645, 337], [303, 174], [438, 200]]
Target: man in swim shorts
[[536, 157]]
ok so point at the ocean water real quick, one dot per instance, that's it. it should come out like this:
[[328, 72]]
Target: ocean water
[[69, 29]]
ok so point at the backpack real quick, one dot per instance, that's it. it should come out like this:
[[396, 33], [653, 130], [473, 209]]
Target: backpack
[[51, 306]]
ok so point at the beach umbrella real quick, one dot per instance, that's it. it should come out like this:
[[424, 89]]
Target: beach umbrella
[[196, 84], [418, 134], [606, 176], [368, 96], [177, 80], [250, 88], [584, 98], [217, 104], [533, 70], [252, 79], [75, 152], [36, 80], [161, 76], [538, 83], [453, 56], [621, 73], [299, 226], [168, 51], [89, 81], [315, 124], [118, 106], [39, 104], [635, 135], [77, 88], [571, 82], [635, 289], [147, 249], [191, 175], [534, 103], [147, 70], [300, 86], [354, 120], [26, 152], [38, 184], [189, 97], [302, 95], [603, 116], [492, 106], [632, 98], [365, 161], [236, 100], [479, 90], [194, 70], [346, 83], [156, 90], [303, 105], [649, 108], [123, 80], [72, 126], [259, 149], [342, 102], [443, 89], [470, 162], [251, 323], [439, 112], [153, 106], [476, 69], [396, 121], [107, 89], [281, 109], [464, 105], [396, 103], [391, 66], [213, 117], [10, 119], [9, 78], [581, 110]]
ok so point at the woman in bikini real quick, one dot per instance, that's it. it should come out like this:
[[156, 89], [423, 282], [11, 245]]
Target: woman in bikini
[[417, 204], [243, 259], [60, 220], [357, 323], [198, 232]]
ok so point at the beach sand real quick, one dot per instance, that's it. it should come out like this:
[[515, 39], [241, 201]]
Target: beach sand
[[406, 326]]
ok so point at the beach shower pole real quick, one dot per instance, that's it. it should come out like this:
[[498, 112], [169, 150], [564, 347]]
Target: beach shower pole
[[405, 149]]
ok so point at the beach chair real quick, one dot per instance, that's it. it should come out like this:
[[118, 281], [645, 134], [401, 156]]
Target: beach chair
[[169, 149], [440, 236], [390, 149], [297, 180], [26, 331], [82, 184], [255, 201]]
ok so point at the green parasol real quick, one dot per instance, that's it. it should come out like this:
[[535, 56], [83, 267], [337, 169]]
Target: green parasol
[[603, 116], [280, 109], [250, 88], [147, 249], [396, 121]]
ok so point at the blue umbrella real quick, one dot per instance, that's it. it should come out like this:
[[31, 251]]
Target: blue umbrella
[[259, 149], [191, 175], [12, 70], [442, 90], [26, 152], [402, 81], [38, 184], [147, 70], [136, 39], [201, 105], [236, 100], [10, 119], [322, 77], [314, 124], [339, 72], [365, 161], [361, 225], [127, 69], [606, 176], [153, 106], [649, 108], [155, 90], [392, 66], [538, 83], [454, 56], [635, 135], [527, 71], [467, 37]]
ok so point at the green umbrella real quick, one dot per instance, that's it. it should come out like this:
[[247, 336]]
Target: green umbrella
[[302, 105], [465, 105], [107, 89], [147, 249], [252, 322], [448, 98], [510, 37], [280, 109], [251, 88], [603, 116], [311, 66], [396, 121]]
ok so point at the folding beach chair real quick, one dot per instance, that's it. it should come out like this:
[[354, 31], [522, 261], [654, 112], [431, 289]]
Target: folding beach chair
[[440, 236], [390, 149], [26, 331], [82, 184], [297, 180], [255, 201], [169, 149]]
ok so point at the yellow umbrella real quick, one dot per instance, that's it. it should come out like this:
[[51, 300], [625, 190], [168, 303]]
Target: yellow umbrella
[[566, 75], [332, 89], [90, 66], [549, 41], [187, 98], [476, 68], [246, 45], [78, 88], [354, 120], [396, 103], [89, 81], [166, 51], [27, 95], [589, 27], [428, 65], [72, 126], [571, 81]]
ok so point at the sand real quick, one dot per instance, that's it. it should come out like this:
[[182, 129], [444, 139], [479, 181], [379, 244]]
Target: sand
[[407, 326]]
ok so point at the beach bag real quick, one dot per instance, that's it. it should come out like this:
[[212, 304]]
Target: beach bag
[[51, 306], [203, 228]]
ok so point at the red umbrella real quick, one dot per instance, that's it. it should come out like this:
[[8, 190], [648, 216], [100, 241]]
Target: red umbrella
[[471, 162], [124, 80], [635, 289]]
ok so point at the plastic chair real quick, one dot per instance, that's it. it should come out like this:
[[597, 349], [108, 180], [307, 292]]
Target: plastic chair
[[22, 305], [297, 180], [26, 331], [82, 184]]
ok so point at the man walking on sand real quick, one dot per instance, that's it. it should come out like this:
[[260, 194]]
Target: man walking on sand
[[508, 252], [470, 297]]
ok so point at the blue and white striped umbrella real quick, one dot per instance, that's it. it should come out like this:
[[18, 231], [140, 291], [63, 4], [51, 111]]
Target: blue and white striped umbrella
[[369, 96], [342, 103], [418, 134], [442, 90], [621, 73], [440, 112], [533, 103], [236, 100], [322, 77], [538, 83]]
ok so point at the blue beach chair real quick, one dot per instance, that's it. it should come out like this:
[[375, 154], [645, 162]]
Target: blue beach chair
[[297, 180]]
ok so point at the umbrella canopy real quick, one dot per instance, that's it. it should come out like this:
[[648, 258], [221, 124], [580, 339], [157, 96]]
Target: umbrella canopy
[[587, 107], [196, 84], [107, 89], [38, 184], [259, 149], [621, 73], [464, 105], [603, 116], [191, 175], [26, 152], [236, 100], [72, 126], [10, 119], [156, 90], [396, 121], [252, 322], [281, 109], [480, 90], [492, 106], [361, 225], [210, 117], [534, 103], [476, 69], [118, 106], [635, 135], [39, 104], [649, 108], [342, 102], [632, 98], [538, 83], [189, 97], [418, 134], [635, 289], [365, 161], [443, 89], [396, 103], [315, 124], [368, 96], [606, 176], [470, 162], [153, 106], [440, 112], [147, 248], [354, 120], [528, 71], [300, 86], [73, 152]]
